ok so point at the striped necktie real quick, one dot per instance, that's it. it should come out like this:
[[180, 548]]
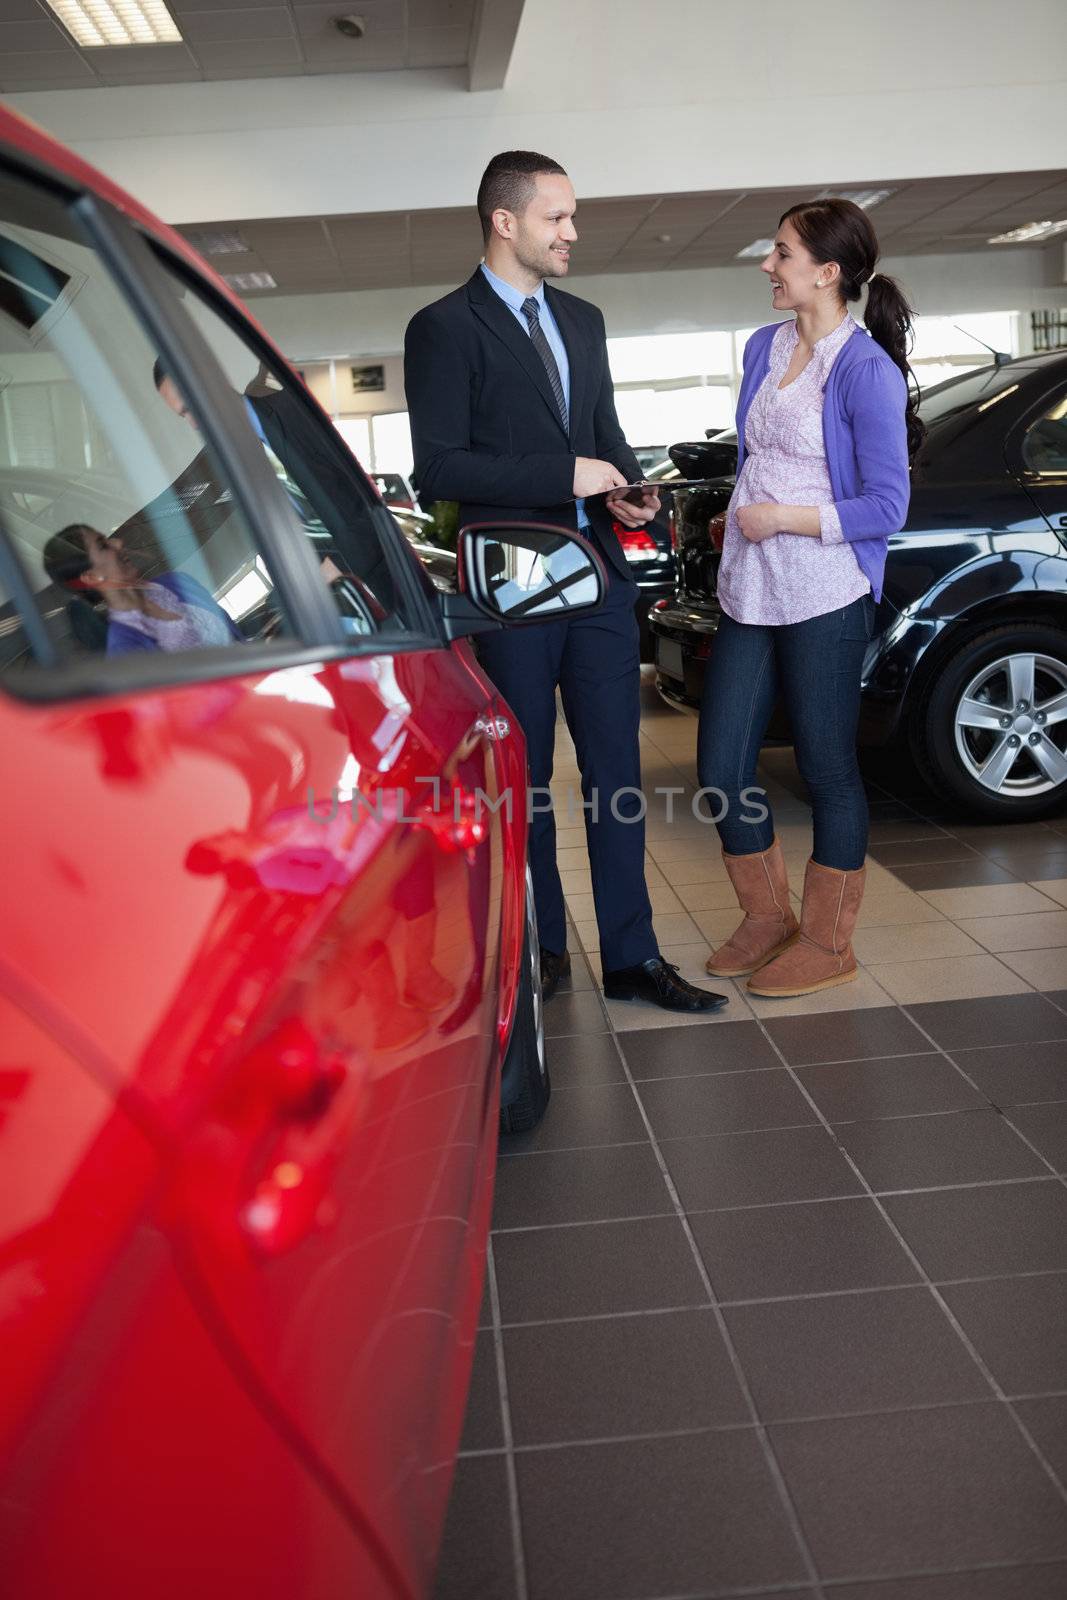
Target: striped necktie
[[544, 350]]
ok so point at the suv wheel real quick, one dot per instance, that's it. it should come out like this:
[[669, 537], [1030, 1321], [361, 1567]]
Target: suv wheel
[[993, 731], [526, 1083]]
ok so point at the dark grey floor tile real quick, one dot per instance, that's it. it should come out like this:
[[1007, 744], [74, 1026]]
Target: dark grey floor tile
[[800, 1249], [1033, 865], [953, 874], [734, 1102], [620, 1375], [743, 1169], [482, 1425], [857, 1091], [1005, 1583], [595, 1268], [992, 838], [1046, 1128], [679, 1052], [893, 825], [580, 978], [587, 1114], [996, 1019], [476, 1561], [580, 1058], [1001, 1229], [655, 1517], [580, 1186], [1010, 1076], [1046, 1421], [1019, 1328], [846, 1036], [918, 852], [852, 1352], [575, 1013], [937, 1152], [916, 1489]]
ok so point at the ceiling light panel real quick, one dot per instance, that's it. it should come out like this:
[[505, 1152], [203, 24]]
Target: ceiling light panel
[[249, 280], [218, 244], [1030, 233], [864, 198], [97, 23], [758, 247]]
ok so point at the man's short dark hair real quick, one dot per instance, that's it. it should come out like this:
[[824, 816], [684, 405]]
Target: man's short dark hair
[[508, 184]]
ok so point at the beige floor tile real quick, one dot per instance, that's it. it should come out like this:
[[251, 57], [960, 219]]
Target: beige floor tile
[[688, 850], [955, 978], [715, 896], [1045, 969], [1056, 888], [676, 927], [717, 926], [892, 910], [988, 900], [570, 839], [862, 993], [576, 880], [1036, 930], [681, 874], [569, 856], [910, 941], [588, 936]]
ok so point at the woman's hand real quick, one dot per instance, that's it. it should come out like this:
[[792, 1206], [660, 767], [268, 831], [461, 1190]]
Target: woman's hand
[[761, 521]]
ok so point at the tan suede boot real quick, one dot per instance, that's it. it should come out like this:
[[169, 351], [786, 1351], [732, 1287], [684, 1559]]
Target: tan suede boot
[[822, 956], [762, 888]]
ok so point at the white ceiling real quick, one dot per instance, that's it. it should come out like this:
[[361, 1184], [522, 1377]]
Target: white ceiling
[[242, 39], [638, 234]]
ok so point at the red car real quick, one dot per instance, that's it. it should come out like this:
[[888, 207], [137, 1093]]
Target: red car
[[268, 944]]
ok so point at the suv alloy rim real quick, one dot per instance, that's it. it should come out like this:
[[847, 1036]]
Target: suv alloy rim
[[1011, 726]]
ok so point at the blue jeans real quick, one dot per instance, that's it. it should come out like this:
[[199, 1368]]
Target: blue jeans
[[816, 666]]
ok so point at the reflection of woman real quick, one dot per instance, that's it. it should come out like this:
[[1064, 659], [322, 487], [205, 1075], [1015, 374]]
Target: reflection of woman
[[168, 612], [825, 425]]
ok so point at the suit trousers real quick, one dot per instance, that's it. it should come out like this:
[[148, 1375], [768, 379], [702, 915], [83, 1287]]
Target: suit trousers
[[595, 660]]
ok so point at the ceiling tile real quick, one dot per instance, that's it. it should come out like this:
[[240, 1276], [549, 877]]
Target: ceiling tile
[[248, 53], [253, 22], [438, 47], [40, 34], [36, 69], [125, 61]]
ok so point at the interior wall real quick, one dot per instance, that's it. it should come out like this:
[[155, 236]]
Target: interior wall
[[686, 96]]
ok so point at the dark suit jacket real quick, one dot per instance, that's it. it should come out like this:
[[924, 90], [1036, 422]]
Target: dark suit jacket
[[485, 427]]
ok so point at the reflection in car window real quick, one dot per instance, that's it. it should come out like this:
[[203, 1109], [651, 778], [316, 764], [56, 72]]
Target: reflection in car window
[[956, 395], [119, 515], [330, 500], [1045, 444]]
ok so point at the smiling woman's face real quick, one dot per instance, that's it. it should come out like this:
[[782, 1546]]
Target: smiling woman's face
[[793, 271], [107, 564]]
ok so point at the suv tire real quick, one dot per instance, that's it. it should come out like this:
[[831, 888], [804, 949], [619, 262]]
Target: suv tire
[[987, 735]]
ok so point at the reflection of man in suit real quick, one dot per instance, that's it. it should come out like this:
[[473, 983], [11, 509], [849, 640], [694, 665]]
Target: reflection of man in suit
[[513, 415]]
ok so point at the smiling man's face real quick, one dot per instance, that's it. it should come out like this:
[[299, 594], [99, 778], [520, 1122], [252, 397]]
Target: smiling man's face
[[542, 236]]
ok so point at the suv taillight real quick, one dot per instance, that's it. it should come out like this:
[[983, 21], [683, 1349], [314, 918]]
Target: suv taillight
[[637, 545]]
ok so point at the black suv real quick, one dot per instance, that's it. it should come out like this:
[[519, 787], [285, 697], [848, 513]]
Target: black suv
[[968, 665]]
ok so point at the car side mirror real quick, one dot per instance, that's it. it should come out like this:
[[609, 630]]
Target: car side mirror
[[705, 458], [512, 573]]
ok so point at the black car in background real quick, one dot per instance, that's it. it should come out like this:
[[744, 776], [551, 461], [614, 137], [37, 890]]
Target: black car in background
[[968, 665]]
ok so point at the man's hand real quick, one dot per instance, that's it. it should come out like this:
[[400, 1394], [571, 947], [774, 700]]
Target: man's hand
[[761, 521], [633, 513], [595, 477]]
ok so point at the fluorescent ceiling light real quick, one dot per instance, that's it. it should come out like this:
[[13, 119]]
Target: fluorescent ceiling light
[[93, 23], [1030, 232], [249, 280], [758, 247], [864, 198], [218, 244]]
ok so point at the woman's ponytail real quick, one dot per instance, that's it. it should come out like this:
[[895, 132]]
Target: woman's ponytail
[[889, 322]]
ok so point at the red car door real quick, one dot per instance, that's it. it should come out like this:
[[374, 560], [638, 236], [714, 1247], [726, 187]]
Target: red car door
[[282, 912]]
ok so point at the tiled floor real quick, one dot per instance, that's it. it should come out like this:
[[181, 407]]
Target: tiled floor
[[777, 1299]]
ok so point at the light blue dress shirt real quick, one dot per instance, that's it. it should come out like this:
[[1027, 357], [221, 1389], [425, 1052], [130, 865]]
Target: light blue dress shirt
[[513, 299]]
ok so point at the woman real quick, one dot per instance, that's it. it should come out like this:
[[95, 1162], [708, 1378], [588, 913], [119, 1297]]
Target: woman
[[169, 612], [826, 425]]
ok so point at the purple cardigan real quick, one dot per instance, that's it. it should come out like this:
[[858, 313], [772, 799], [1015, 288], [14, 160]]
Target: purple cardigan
[[865, 437]]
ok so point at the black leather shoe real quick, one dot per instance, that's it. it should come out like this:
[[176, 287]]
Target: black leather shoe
[[553, 968], [658, 982]]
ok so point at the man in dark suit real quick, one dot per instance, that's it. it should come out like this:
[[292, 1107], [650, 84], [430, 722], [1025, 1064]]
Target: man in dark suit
[[513, 415]]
